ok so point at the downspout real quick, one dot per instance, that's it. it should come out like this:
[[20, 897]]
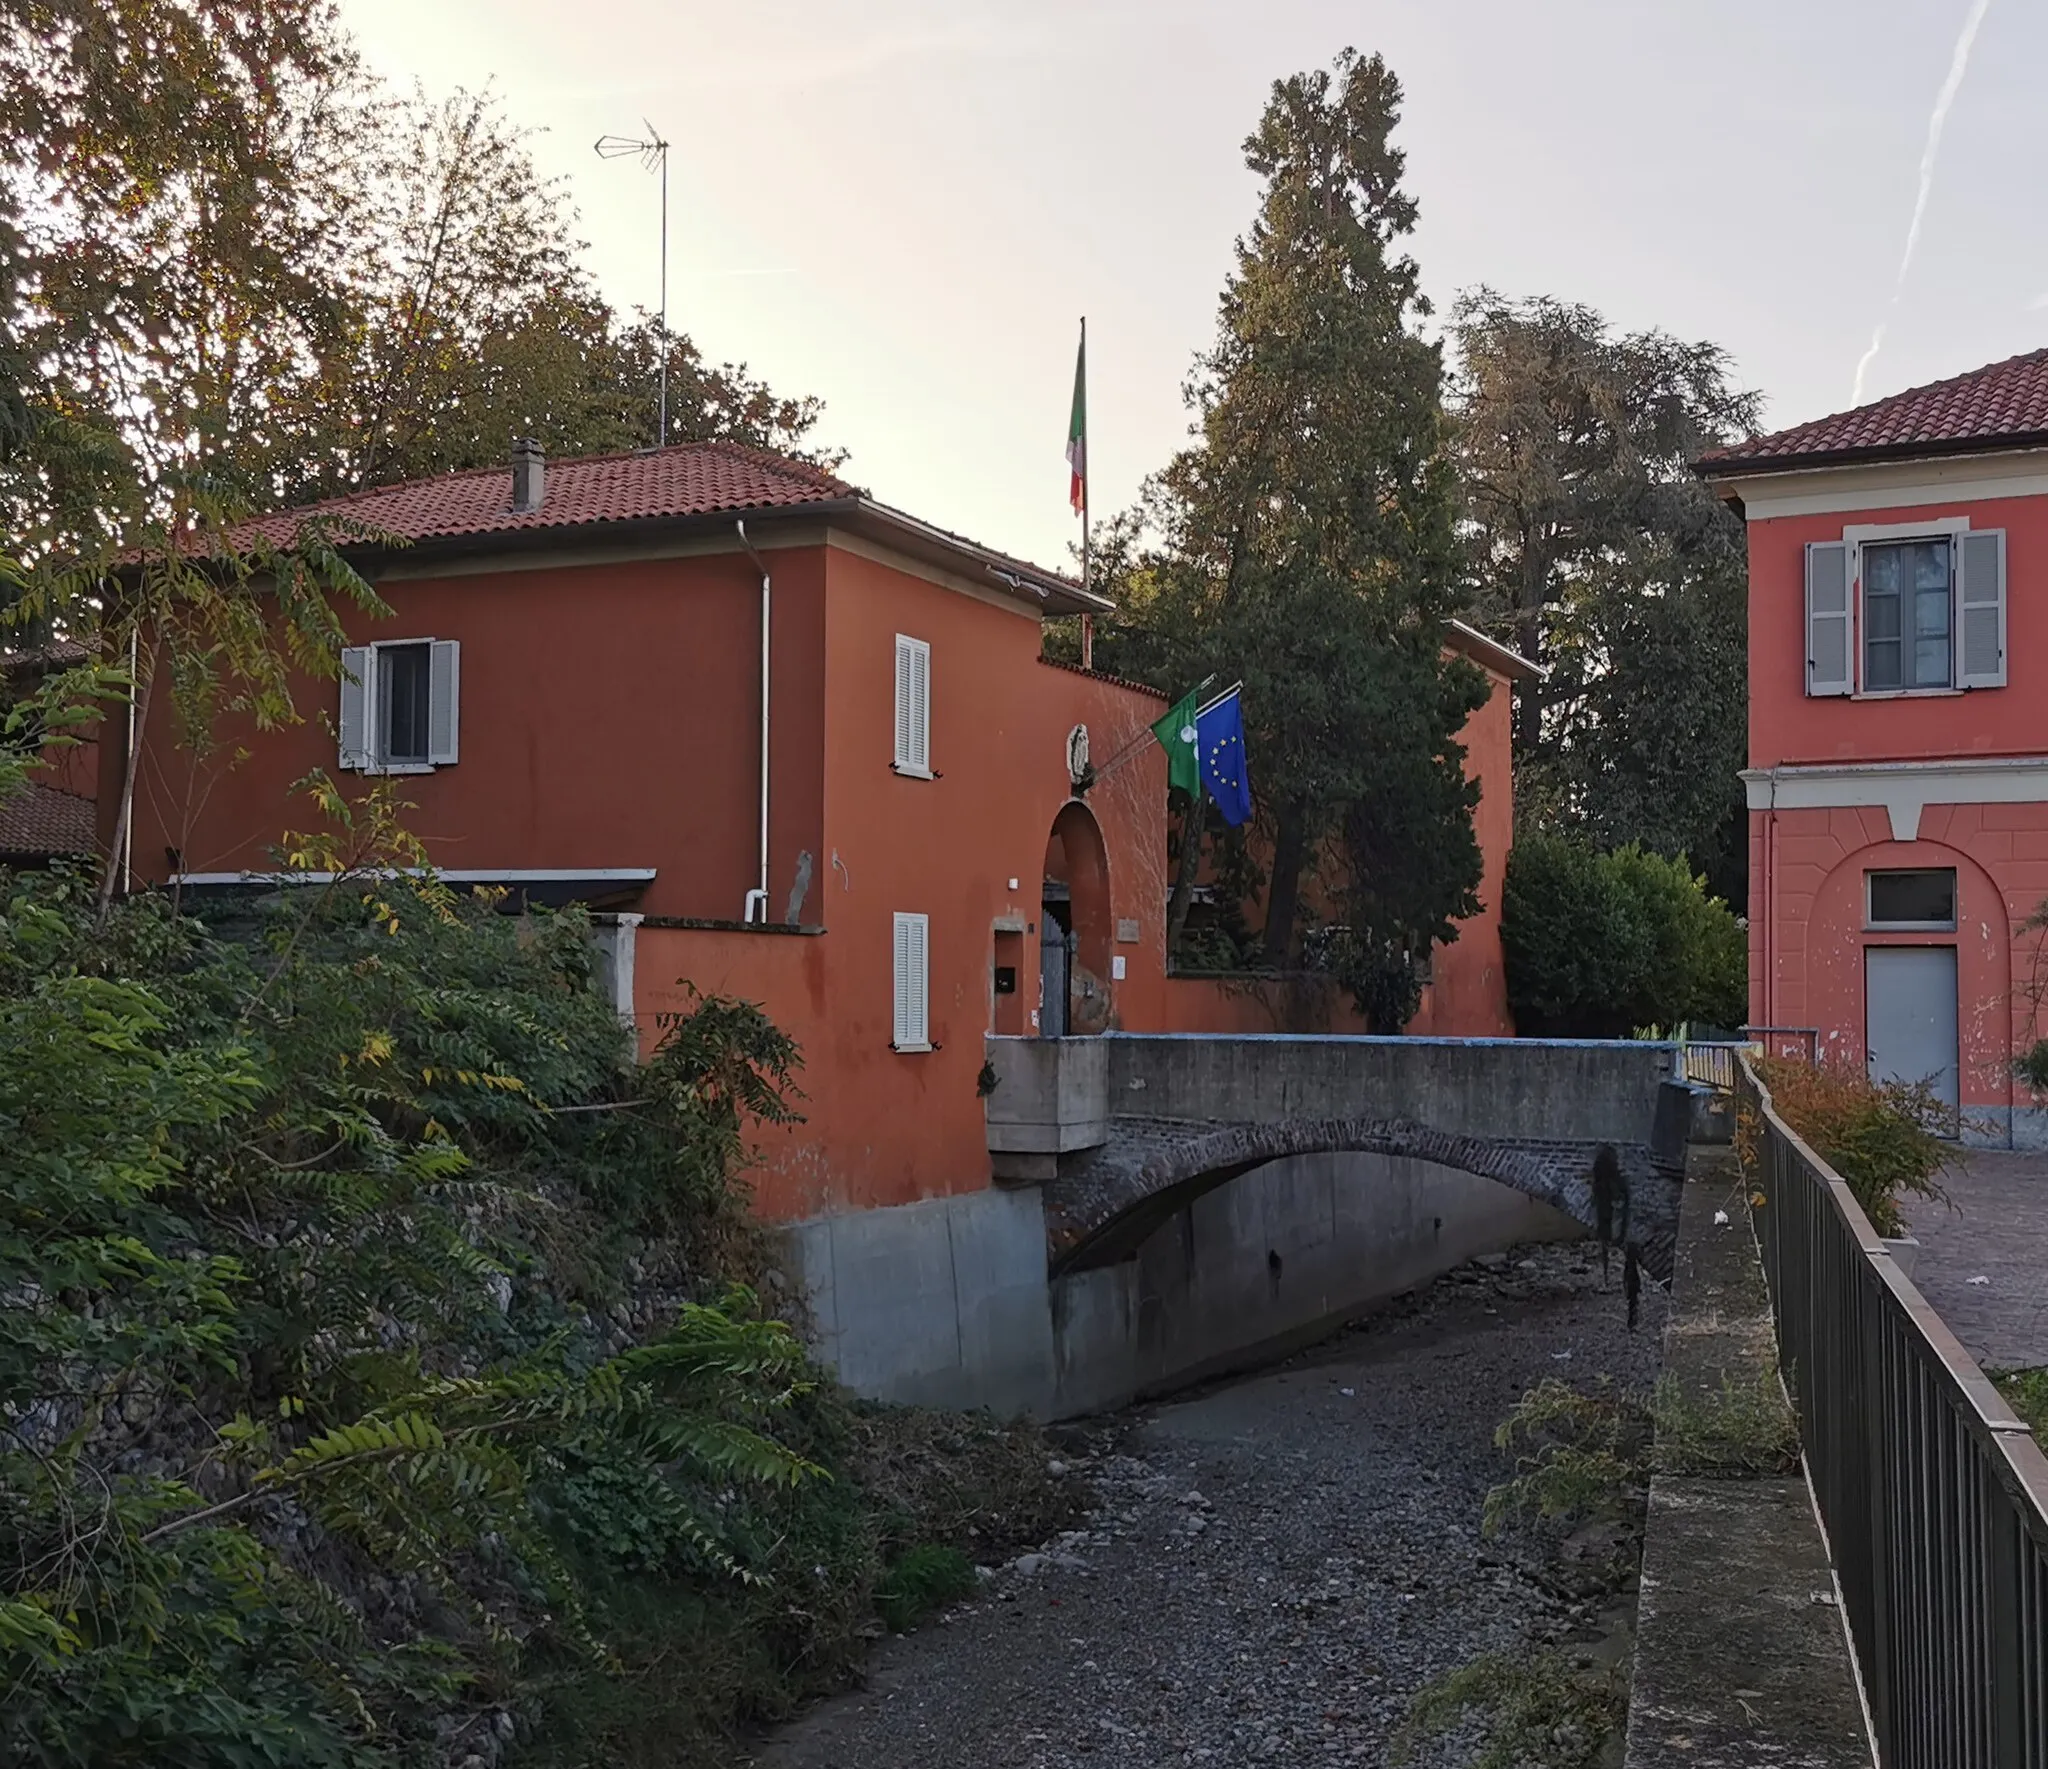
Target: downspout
[[756, 908], [134, 761]]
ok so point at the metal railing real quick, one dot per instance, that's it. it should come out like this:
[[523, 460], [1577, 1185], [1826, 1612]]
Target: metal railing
[[1712, 1062], [1933, 1494]]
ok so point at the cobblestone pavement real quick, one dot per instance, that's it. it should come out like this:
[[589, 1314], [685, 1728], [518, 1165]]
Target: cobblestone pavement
[[1278, 1564], [1997, 1231]]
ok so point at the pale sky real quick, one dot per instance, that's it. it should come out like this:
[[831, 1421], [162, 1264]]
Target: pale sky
[[903, 206]]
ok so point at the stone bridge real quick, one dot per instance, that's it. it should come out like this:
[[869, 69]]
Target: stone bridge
[[1124, 1132]]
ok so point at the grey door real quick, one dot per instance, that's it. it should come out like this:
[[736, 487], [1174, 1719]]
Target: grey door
[[1054, 952], [1909, 1016]]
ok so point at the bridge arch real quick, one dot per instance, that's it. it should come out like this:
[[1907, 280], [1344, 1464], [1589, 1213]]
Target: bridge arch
[[1104, 1202]]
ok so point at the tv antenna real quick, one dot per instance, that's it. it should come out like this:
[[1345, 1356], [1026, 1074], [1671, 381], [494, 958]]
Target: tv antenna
[[652, 152]]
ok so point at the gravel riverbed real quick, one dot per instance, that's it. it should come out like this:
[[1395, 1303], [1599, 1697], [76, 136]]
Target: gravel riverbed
[[1275, 1565]]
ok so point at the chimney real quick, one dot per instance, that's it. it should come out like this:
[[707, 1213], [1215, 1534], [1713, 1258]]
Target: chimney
[[529, 475]]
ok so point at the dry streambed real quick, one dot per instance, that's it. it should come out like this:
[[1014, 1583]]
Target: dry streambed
[[1275, 1567]]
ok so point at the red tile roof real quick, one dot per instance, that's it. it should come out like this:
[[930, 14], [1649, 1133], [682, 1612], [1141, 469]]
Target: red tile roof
[[685, 479], [2004, 405], [39, 821], [58, 654], [1061, 663]]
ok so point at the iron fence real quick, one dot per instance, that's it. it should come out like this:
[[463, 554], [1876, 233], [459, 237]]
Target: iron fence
[[1934, 1496]]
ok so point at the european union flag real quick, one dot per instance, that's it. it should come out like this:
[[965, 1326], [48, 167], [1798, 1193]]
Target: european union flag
[[1219, 736]]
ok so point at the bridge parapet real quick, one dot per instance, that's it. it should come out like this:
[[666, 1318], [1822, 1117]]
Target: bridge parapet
[[1579, 1090], [1126, 1129]]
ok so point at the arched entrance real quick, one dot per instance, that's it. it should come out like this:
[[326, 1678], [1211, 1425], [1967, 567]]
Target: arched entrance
[[1074, 928]]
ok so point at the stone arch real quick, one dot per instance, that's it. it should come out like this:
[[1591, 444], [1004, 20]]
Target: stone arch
[[1104, 1203], [1076, 907]]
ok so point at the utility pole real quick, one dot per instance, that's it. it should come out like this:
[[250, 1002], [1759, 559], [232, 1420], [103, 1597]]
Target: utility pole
[[652, 152]]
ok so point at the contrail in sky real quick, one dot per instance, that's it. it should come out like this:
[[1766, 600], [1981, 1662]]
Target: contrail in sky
[[1937, 120]]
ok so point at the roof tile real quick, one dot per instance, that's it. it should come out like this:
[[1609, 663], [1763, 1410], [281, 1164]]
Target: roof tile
[[2003, 405], [684, 479], [39, 821]]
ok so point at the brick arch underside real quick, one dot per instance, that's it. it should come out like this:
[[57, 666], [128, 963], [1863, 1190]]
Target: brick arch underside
[[1105, 1202]]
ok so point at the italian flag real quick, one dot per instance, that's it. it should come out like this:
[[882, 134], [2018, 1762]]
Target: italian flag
[[1077, 429]]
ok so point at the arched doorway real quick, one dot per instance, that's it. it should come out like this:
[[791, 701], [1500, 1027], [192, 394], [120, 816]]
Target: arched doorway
[[1074, 929]]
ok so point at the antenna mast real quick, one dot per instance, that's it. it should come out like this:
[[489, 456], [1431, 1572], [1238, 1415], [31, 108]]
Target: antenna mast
[[652, 152]]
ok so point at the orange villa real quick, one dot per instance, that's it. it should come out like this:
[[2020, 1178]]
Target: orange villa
[[790, 744], [1898, 732]]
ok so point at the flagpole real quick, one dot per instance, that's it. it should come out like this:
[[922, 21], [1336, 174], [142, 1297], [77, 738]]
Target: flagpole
[[1087, 620]]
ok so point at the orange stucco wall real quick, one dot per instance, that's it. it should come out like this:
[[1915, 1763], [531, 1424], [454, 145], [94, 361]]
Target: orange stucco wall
[[1807, 936], [1467, 996], [1785, 725], [1811, 864], [886, 1127], [610, 717]]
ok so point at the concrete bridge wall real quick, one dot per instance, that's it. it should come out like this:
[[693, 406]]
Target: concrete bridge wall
[[1515, 1087], [948, 1301]]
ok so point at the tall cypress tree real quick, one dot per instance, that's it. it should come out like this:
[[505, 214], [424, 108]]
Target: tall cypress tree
[[1308, 541]]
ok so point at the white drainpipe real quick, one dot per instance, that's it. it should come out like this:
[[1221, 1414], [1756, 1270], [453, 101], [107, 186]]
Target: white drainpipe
[[756, 908]]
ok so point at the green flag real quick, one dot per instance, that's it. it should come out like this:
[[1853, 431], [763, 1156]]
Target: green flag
[[1176, 734]]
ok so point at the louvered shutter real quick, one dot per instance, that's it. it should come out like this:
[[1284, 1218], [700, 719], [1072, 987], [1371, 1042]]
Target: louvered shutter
[[921, 707], [912, 976], [355, 706], [913, 705], [905, 697], [1980, 609], [444, 700], [1827, 617]]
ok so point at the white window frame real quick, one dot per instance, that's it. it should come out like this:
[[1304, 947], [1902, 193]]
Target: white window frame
[[913, 704], [1855, 537], [1955, 903], [910, 976], [444, 660]]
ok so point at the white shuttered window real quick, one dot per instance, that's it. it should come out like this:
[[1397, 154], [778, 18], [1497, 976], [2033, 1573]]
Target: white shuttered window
[[913, 706], [1827, 617], [401, 709], [913, 983], [1980, 609]]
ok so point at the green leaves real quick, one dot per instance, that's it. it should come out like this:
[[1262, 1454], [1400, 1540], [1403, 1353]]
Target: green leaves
[[1595, 550], [1598, 945], [1305, 542]]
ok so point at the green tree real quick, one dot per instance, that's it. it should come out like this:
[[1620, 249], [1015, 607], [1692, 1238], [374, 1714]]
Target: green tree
[[1600, 945], [237, 273], [1305, 541], [1598, 552]]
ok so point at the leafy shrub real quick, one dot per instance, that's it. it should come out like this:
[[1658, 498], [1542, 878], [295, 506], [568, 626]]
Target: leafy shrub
[[1579, 1454], [928, 1577], [1599, 943], [1537, 1709], [1879, 1136]]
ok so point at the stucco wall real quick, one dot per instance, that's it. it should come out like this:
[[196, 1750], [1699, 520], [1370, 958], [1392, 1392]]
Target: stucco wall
[[610, 717], [1809, 892], [1785, 725]]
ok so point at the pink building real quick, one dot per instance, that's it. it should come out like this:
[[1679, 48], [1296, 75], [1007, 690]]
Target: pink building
[[1898, 732]]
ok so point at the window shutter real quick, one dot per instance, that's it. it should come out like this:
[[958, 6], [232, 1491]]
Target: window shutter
[[1827, 617], [912, 971], [921, 707], [1980, 609], [355, 706], [444, 700], [906, 697]]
